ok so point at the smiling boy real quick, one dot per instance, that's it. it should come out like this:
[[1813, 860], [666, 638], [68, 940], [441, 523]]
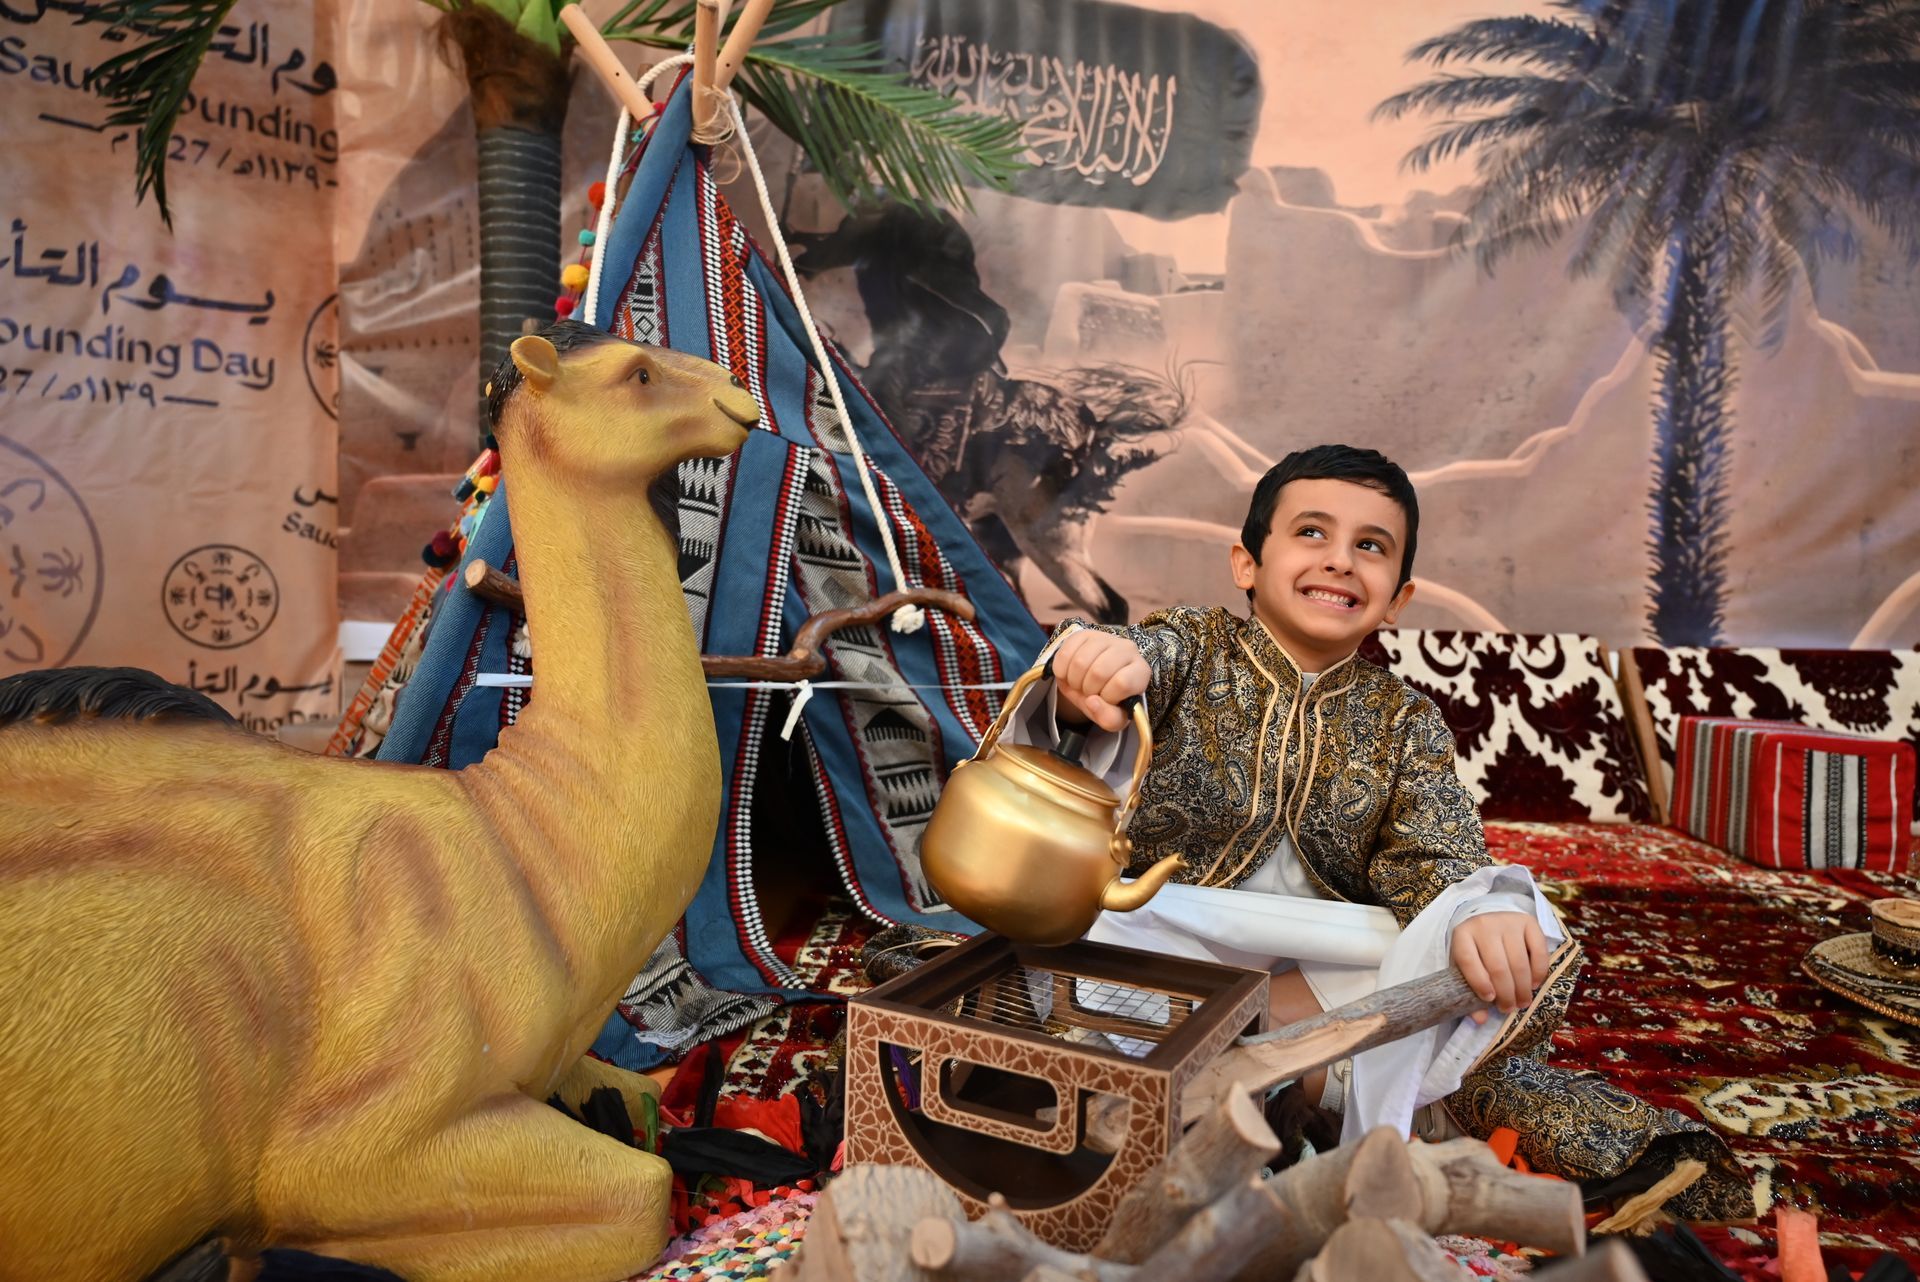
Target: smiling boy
[[1285, 764]]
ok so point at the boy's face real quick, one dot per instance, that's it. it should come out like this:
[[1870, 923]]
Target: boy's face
[[1327, 572]]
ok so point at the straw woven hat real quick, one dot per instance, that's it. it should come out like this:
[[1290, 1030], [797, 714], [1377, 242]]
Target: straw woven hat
[[1878, 968]]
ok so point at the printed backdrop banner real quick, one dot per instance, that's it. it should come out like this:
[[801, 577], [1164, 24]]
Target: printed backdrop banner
[[1217, 258], [167, 453], [1098, 381]]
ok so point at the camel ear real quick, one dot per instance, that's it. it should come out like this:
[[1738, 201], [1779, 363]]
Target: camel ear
[[537, 360]]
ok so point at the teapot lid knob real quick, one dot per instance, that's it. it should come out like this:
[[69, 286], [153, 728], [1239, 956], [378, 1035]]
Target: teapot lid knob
[[1072, 741]]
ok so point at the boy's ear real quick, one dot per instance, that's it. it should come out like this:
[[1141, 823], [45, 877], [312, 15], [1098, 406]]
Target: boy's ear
[[1399, 603], [1243, 567]]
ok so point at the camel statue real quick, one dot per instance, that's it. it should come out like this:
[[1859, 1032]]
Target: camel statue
[[317, 1003]]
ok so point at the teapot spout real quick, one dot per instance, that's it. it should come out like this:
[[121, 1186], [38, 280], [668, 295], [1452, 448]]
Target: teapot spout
[[1125, 896]]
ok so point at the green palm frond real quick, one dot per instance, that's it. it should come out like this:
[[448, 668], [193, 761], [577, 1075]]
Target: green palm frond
[[863, 125], [1546, 43], [1671, 122], [146, 85], [860, 123], [1450, 93], [644, 19]]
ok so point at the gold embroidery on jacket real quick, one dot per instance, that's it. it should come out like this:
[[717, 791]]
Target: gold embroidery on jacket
[[1362, 779]]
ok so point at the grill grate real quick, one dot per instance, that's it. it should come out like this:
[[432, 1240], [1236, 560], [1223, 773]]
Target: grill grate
[[1092, 1013]]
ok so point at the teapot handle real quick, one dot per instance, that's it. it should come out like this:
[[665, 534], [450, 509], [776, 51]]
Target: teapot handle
[[1141, 724], [1012, 704], [1141, 761]]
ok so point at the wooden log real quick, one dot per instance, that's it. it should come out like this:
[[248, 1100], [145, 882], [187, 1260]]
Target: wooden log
[[492, 586], [1465, 1189], [859, 1229], [1610, 1262], [1373, 1178], [1269, 1228], [1284, 1054], [996, 1247], [1226, 1148], [1107, 1126], [1375, 1250]]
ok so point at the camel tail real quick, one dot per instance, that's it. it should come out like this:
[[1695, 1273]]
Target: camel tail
[[56, 696]]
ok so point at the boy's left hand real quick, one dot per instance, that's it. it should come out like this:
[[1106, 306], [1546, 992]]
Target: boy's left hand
[[1503, 957]]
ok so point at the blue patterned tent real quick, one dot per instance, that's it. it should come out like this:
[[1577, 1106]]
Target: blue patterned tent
[[768, 537]]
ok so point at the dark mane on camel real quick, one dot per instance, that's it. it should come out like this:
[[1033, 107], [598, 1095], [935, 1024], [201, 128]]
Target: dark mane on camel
[[565, 335], [569, 335]]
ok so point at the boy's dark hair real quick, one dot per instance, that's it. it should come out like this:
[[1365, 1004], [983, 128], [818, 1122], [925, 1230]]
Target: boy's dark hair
[[1370, 468]]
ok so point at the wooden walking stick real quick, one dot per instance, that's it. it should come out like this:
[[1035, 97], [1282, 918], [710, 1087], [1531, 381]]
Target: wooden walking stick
[[802, 662]]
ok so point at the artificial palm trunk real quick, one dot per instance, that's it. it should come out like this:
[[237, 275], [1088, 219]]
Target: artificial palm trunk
[[519, 93], [519, 236], [1693, 422]]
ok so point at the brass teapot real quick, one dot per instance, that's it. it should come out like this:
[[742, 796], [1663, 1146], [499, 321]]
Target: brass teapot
[[1030, 843]]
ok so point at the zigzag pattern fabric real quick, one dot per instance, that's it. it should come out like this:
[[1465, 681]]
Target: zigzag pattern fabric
[[780, 531]]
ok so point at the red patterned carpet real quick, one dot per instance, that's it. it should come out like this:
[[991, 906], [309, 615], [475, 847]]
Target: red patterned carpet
[[1693, 997], [774, 1055]]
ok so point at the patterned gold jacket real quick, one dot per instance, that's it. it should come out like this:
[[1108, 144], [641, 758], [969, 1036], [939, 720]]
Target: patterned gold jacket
[[1359, 772]]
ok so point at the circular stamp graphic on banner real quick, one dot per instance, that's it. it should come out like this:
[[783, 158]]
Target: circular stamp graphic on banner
[[320, 355], [220, 596], [51, 564]]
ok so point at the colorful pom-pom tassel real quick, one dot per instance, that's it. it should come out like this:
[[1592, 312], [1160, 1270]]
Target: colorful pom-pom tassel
[[586, 237], [574, 276], [442, 552], [563, 307], [597, 195]]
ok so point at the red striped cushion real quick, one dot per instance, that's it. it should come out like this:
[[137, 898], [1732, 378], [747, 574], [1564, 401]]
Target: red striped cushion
[[1786, 796]]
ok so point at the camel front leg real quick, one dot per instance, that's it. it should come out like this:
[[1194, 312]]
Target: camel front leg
[[516, 1191]]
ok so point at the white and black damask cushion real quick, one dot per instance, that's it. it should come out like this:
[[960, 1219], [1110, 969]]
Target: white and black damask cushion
[[1540, 727], [1870, 692]]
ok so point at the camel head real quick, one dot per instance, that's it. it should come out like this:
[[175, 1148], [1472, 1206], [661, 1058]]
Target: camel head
[[601, 408]]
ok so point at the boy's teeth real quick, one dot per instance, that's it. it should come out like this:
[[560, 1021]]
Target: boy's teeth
[[1334, 597]]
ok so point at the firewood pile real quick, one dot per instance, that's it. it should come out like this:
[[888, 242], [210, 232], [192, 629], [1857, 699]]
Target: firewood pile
[[1367, 1212]]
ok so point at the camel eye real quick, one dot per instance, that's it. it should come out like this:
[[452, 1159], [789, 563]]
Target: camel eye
[[641, 374], [736, 382]]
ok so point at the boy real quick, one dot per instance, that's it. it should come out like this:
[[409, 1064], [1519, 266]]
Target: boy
[[1283, 763]]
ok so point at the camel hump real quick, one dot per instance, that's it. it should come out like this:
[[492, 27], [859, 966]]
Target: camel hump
[[56, 696]]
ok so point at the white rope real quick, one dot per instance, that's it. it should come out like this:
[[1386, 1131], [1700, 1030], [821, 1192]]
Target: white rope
[[653, 73], [604, 223], [524, 680], [802, 689], [615, 162], [908, 618]]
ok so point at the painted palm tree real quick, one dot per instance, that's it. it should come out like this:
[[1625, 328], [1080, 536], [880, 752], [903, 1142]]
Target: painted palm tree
[[859, 125], [1702, 153]]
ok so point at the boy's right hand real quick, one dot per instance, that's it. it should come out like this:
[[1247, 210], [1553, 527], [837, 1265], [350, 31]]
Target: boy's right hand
[[1095, 673]]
